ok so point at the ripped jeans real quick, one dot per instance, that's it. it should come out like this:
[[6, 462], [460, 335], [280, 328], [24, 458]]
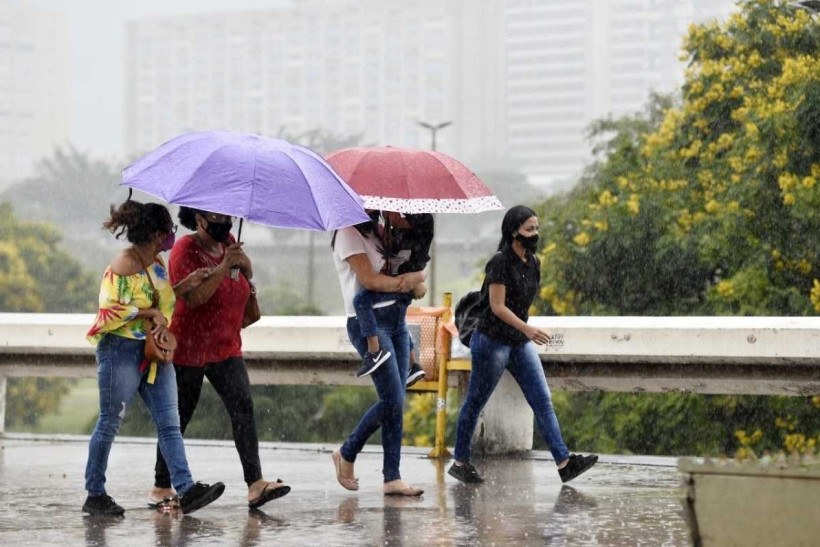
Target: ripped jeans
[[119, 379]]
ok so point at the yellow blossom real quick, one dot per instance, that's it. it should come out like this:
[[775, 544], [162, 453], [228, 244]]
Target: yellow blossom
[[602, 225], [787, 181], [725, 140], [725, 289], [804, 266], [582, 239], [712, 206], [815, 295], [607, 199], [547, 292], [634, 204], [788, 199], [808, 182], [752, 154]]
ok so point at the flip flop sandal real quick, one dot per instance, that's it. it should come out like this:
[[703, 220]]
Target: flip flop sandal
[[165, 503], [270, 494]]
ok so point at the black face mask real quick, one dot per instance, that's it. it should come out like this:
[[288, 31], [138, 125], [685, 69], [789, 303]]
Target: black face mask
[[218, 230], [530, 243]]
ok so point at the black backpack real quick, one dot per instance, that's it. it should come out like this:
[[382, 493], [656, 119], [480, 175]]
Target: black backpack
[[468, 313]]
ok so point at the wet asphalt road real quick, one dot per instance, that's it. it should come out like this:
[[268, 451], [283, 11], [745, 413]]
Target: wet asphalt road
[[621, 501]]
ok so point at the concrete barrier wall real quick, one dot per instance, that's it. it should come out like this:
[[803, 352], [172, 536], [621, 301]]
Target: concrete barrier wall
[[733, 355], [755, 355]]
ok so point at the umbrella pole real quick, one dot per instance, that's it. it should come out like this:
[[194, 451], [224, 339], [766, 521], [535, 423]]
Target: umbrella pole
[[239, 232]]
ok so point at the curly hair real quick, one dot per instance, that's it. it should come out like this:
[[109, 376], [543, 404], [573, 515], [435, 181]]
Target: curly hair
[[138, 221]]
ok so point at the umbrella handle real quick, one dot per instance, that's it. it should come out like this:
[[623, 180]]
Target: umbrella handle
[[235, 271]]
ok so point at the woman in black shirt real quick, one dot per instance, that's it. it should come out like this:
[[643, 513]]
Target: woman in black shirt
[[504, 341]]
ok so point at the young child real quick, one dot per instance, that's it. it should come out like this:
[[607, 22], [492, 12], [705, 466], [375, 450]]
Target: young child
[[407, 246]]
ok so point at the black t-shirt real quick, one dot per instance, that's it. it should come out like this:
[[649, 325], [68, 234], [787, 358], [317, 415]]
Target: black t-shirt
[[521, 280]]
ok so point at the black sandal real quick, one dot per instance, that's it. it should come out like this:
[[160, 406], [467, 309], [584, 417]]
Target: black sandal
[[270, 494]]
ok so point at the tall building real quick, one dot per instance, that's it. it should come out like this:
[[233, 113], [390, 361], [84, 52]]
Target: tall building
[[375, 67], [34, 87], [519, 79], [570, 62]]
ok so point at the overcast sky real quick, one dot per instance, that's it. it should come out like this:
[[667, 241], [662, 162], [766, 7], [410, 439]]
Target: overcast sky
[[97, 44]]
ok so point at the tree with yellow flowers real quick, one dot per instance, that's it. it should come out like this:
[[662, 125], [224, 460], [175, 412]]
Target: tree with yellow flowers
[[705, 205], [710, 206]]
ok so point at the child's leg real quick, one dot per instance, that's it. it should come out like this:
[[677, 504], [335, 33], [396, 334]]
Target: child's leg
[[363, 304]]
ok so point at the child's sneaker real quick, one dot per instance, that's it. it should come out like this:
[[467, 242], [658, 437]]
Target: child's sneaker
[[414, 374], [372, 361]]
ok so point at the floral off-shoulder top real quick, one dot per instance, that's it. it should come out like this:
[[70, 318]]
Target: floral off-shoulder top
[[121, 298]]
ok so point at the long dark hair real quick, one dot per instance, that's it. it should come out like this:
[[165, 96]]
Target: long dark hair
[[138, 221], [364, 228], [513, 220]]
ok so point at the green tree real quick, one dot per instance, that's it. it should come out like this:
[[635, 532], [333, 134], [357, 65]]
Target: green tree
[[36, 275], [704, 206], [708, 207], [72, 191], [30, 398]]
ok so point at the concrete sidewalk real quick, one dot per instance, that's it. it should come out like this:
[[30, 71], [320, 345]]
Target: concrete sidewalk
[[621, 501]]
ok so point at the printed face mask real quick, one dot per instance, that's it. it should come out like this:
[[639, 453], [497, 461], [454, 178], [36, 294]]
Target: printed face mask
[[219, 230], [168, 243], [530, 243]]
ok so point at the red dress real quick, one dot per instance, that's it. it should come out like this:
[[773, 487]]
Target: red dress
[[208, 333]]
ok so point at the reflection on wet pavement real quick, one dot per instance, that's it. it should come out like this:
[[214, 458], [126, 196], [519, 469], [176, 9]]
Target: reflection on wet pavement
[[619, 502]]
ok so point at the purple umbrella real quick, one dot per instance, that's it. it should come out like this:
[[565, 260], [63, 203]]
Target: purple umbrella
[[269, 181]]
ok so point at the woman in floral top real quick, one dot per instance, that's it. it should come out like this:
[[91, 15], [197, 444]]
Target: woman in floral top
[[127, 314]]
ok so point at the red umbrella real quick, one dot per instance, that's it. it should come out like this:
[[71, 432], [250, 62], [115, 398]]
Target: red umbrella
[[412, 181]]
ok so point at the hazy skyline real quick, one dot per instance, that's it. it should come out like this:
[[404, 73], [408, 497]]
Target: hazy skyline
[[97, 42]]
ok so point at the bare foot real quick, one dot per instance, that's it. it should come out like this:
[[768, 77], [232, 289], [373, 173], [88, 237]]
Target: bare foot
[[399, 487], [344, 471]]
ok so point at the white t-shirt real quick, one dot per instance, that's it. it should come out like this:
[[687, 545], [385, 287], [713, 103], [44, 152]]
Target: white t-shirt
[[350, 242]]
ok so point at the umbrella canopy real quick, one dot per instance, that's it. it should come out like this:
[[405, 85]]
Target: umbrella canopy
[[269, 181], [412, 181]]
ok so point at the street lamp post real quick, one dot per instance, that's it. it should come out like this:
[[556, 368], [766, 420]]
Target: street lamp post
[[433, 128]]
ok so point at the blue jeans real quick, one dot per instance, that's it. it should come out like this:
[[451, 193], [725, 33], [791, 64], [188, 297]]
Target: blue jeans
[[490, 360], [363, 305], [389, 379], [118, 361]]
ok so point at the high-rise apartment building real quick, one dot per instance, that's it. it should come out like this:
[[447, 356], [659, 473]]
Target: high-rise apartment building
[[375, 67], [519, 79], [570, 62], [34, 87]]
